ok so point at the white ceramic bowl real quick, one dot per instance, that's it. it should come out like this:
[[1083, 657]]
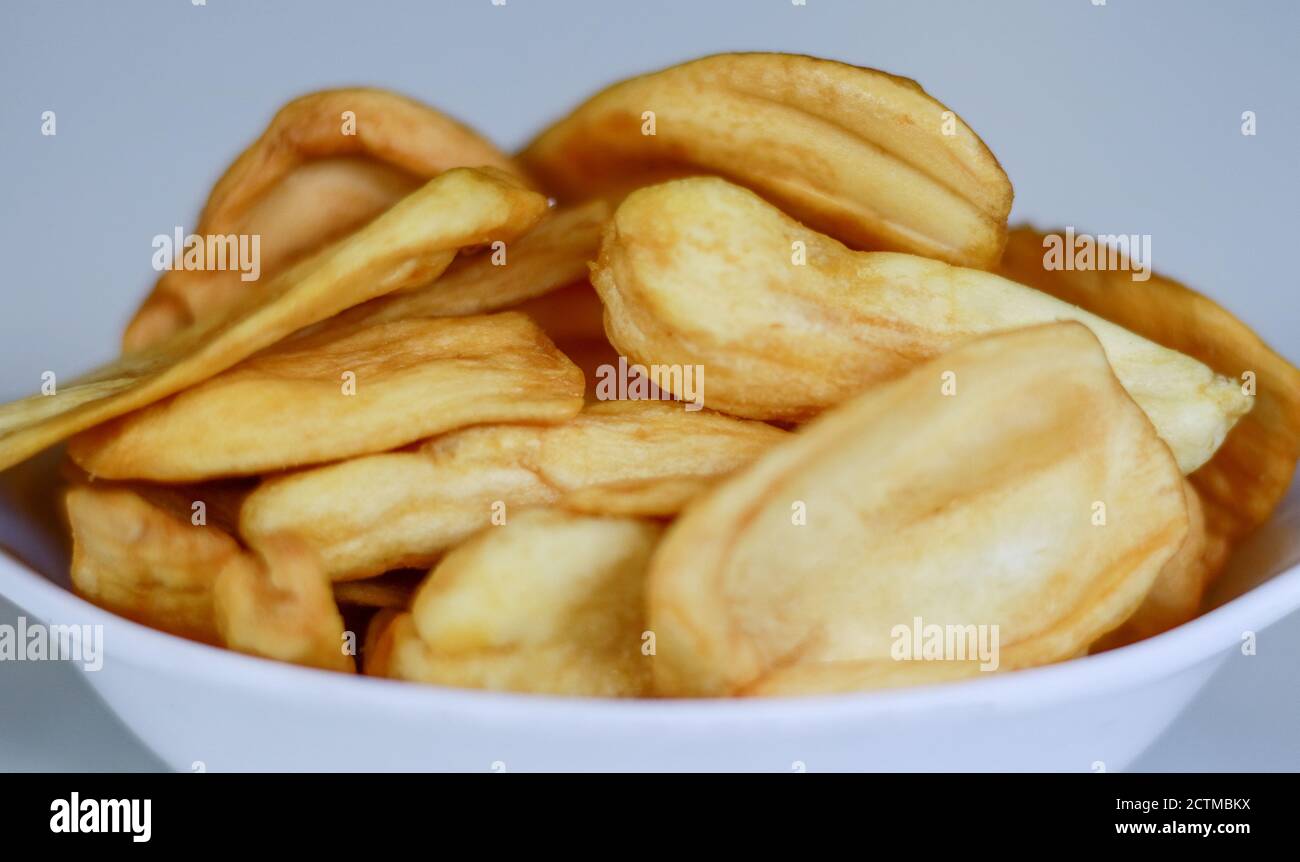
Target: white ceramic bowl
[[193, 703]]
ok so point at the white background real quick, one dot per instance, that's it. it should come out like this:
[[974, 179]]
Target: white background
[[1122, 118]]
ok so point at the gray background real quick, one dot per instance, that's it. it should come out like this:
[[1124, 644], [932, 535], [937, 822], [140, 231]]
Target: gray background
[[1123, 118]]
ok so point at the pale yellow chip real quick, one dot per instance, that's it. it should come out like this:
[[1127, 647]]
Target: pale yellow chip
[[787, 322], [403, 509], [864, 156], [408, 245], [1029, 501], [278, 604], [550, 602], [328, 163], [339, 394], [148, 560], [1176, 595], [1250, 473]]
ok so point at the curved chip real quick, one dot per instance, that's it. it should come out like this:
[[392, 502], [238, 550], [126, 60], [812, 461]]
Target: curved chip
[[397, 510], [403, 509], [278, 604], [1176, 595], [1250, 473], [864, 156], [337, 395], [702, 272], [408, 245], [377, 649], [146, 561], [544, 274], [551, 603], [552, 255], [634, 458], [1019, 517], [328, 163]]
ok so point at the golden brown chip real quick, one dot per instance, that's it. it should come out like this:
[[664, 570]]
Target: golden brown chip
[[1016, 520], [338, 395], [550, 602], [552, 255], [1176, 595], [1250, 473], [377, 651], [279, 605], [864, 156], [147, 561], [328, 163], [544, 275], [408, 245], [403, 509], [701, 272]]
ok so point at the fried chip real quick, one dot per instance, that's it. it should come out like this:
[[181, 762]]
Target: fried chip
[[403, 509], [551, 603], [146, 560], [377, 649], [305, 183], [340, 394], [1250, 473], [1035, 498], [380, 512], [408, 245], [552, 255], [544, 275], [700, 272], [1176, 595], [279, 605], [864, 156], [633, 458]]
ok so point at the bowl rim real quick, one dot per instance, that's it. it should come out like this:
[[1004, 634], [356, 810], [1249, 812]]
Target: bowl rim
[[1211, 634]]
